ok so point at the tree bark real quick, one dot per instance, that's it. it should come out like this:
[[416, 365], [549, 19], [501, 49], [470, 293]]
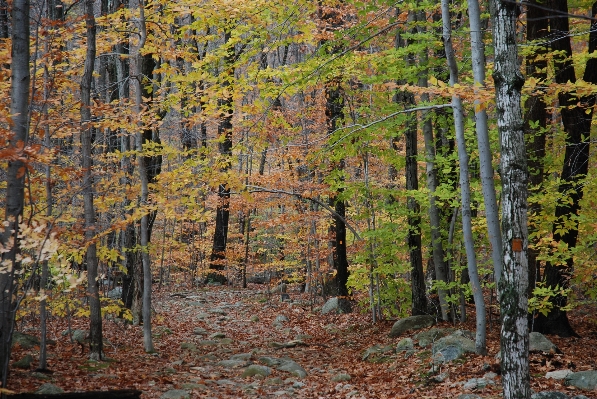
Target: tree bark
[[95, 327], [513, 284], [463, 158], [15, 176], [218, 253], [577, 126]]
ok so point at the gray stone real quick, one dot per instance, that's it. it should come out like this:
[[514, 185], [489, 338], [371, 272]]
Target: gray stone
[[188, 346], [478, 383], [405, 344], [218, 311], [193, 385], [428, 337], [226, 341], [451, 347], [376, 353], [256, 369], [217, 335], [49, 389], [468, 396], [341, 377], [411, 323], [116, 293], [273, 381], [202, 315], [40, 376], [336, 305], [176, 394], [298, 384], [292, 367], [225, 382], [26, 341], [441, 377], [558, 374], [549, 395], [232, 363], [24, 363], [586, 380], [490, 376], [80, 336], [579, 397], [199, 331], [241, 356], [281, 319], [539, 343]]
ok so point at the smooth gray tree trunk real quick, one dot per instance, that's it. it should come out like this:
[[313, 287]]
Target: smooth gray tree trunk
[[469, 244], [15, 176], [485, 157], [514, 281]]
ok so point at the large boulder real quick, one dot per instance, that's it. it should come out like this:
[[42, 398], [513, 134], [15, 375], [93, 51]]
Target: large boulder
[[26, 341], [49, 389], [539, 343], [336, 305], [428, 337], [452, 347], [411, 323], [586, 380]]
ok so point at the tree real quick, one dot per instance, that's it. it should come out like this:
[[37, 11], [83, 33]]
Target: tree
[[513, 284], [15, 177], [577, 126]]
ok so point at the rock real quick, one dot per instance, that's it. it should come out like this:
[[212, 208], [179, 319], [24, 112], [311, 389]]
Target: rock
[[202, 315], [341, 377], [193, 385], [241, 356], [116, 293], [377, 353], [218, 311], [405, 344], [188, 346], [80, 336], [478, 383], [226, 341], [451, 347], [280, 319], [441, 377], [586, 380], [49, 389], [256, 369], [468, 396], [490, 376], [273, 381], [199, 331], [26, 341], [425, 338], [558, 374], [254, 318], [217, 335], [539, 343], [232, 363], [336, 305], [411, 323], [24, 363], [579, 397], [176, 394], [549, 395], [292, 367]]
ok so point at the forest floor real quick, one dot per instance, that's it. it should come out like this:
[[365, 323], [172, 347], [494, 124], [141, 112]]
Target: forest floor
[[330, 345]]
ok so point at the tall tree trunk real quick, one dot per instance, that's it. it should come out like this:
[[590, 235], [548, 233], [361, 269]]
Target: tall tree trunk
[[577, 125], [480, 339], [218, 253], [485, 157], [15, 176], [536, 119], [143, 175], [513, 284], [95, 327]]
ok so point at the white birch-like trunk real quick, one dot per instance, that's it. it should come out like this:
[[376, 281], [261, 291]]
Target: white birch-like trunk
[[480, 339], [485, 158], [513, 284]]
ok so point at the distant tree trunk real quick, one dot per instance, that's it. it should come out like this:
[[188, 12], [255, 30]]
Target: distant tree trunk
[[577, 125], [144, 178], [15, 176], [218, 253], [513, 284], [463, 159], [95, 328], [536, 113]]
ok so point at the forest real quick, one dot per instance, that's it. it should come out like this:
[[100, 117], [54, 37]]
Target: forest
[[357, 169]]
